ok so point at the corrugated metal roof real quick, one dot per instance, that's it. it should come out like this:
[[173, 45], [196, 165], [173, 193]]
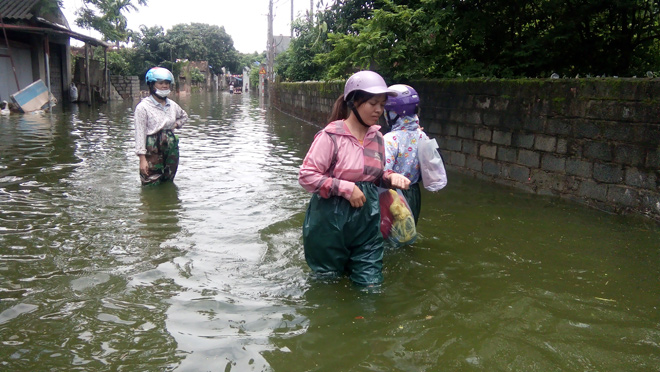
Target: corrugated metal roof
[[17, 9], [26, 9]]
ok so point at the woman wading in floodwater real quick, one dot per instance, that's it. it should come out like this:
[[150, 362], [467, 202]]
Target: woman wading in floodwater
[[156, 117], [343, 167]]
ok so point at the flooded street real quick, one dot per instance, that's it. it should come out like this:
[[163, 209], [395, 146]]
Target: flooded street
[[208, 274]]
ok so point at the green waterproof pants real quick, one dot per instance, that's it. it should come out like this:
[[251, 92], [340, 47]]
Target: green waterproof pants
[[339, 239], [414, 198]]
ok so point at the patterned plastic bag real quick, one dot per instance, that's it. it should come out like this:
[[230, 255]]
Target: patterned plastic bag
[[397, 223]]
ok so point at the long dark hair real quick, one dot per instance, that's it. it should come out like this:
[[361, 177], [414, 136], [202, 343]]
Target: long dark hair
[[340, 110]]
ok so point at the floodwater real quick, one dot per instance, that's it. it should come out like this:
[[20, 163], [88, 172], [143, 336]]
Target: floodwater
[[207, 273]]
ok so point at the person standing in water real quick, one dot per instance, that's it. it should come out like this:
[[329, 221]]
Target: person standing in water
[[402, 141], [343, 168], [156, 117]]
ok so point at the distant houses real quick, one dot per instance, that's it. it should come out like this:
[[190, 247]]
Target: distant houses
[[281, 44], [35, 45]]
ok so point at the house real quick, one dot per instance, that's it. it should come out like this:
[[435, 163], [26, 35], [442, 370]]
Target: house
[[186, 80], [35, 45], [281, 44], [246, 78]]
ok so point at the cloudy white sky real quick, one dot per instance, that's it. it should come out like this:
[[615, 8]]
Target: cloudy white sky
[[246, 21]]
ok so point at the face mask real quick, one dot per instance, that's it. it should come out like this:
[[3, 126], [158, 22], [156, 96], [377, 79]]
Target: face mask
[[163, 93]]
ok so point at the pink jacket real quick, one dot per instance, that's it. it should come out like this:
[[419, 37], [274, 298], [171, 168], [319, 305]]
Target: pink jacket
[[336, 160]]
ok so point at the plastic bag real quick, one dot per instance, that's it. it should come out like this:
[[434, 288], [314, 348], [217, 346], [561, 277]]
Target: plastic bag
[[434, 176], [397, 223], [73, 92]]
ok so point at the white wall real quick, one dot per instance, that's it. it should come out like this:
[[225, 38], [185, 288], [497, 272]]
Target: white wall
[[246, 79]]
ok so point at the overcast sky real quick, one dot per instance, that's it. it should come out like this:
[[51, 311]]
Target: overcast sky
[[246, 21]]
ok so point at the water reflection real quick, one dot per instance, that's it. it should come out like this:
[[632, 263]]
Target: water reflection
[[160, 209]]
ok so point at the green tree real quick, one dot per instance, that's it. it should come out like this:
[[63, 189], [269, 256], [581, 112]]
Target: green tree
[[44, 7], [343, 14], [297, 63], [538, 37], [196, 76], [503, 39], [119, 62], [253, 61], [516, 38], [254, 77], [148, 51], [606, 36], [397, 41], [249, 59], [203, 42], [107, 17]]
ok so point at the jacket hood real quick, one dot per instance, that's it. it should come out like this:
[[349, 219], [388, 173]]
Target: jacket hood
[[409, 123], [339, 127]]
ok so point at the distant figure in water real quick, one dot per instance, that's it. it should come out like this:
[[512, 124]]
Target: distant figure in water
[[156, 117]]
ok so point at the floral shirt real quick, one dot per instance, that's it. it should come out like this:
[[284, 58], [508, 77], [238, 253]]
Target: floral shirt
[[152, 117], [401, 147]]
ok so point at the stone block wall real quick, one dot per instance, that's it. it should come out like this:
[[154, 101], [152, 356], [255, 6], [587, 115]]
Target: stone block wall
[[309, 101], [594, 141], [128, 87]]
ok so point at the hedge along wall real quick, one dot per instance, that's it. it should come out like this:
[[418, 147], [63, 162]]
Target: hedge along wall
[[595, 141]]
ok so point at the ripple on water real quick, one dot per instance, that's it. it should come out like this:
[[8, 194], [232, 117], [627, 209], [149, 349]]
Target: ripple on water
[[208, 272]]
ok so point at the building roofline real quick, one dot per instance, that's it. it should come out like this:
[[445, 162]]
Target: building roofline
[[18, 9], [60, 30]]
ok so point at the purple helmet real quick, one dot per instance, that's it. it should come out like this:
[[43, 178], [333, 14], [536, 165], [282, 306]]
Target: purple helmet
[[369, 82], [405, 102]]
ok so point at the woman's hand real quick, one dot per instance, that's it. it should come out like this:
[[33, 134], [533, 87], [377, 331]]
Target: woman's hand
[[144, 165], [357, 198], [399, 181]]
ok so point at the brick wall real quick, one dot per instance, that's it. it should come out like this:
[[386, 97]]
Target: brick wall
[[309, 101], [128, 87], [594, 141]]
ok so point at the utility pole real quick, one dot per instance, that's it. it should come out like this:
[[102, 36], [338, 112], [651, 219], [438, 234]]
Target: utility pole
[[291, 19], [311, 11], [270, 51]]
